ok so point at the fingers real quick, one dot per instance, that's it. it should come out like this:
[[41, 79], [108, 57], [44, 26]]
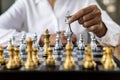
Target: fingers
[[81, 13], [92, 22]]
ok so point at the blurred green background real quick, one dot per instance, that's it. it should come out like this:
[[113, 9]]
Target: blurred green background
[[111, 6]]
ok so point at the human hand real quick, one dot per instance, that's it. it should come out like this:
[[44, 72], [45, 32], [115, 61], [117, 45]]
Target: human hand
[[90, 18]]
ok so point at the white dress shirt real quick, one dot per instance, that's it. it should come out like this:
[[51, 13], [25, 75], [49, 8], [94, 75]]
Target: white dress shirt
[[35, 16]]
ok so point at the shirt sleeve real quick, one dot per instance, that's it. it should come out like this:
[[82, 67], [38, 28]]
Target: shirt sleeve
[[112, 36], [11, 23]]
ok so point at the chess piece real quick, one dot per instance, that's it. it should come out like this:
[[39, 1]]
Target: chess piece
[[3, 61], [68, 31], [22, 45], [50, 61], [12, 64], [109, 62], [17, 57], [104, 55], [88, 62], [29, 64], [14, 43], [35, 56], [58, 45], [9, 43], [69, 62], [46, 43], [93, 43], [35, 44], [81, 44]]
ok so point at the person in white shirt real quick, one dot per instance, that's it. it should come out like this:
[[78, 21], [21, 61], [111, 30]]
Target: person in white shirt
[[35, 16]]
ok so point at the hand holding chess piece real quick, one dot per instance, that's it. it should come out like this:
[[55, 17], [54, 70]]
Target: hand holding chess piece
[[90, 18]]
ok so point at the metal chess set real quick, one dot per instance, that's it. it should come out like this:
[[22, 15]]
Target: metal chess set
[[30, 56], [78, 56]]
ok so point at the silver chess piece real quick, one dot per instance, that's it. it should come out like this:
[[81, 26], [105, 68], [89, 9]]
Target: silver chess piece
[[58, 45], [9, 43], [22, 46], [93, 43], [68, 31], [13, 40], [35, 44], [81, 44]]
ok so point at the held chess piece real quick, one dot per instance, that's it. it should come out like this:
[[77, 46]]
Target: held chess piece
[[12, 64], [50, 61], [58, 45], [17, 56], [104, 55], [35, 56], [109, 63], [3, 61], [81, 44], [88, 62], [68, 31], [29, 64], [69, 62], [46, 43]]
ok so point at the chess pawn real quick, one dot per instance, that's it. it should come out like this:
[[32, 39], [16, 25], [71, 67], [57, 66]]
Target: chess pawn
[[35, 56], [22, 46], [69, 62], [50, 61], [93, 43], [104, 56], [58, 45], [88, 62], [29, 64], [2, 57], [81, 44], [17, 56], [12, 64], [46, 43], [109, 62]]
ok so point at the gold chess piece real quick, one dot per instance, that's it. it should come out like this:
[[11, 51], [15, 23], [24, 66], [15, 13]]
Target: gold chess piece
[[17, 56], [104, 55], [46, 43], [50, 61], [88, 62], [109, 62], [12, 64], [69, 62], [3, 61], [29, 64], [35, 56]]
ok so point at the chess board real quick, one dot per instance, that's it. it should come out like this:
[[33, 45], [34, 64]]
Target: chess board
[[59, 55]]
